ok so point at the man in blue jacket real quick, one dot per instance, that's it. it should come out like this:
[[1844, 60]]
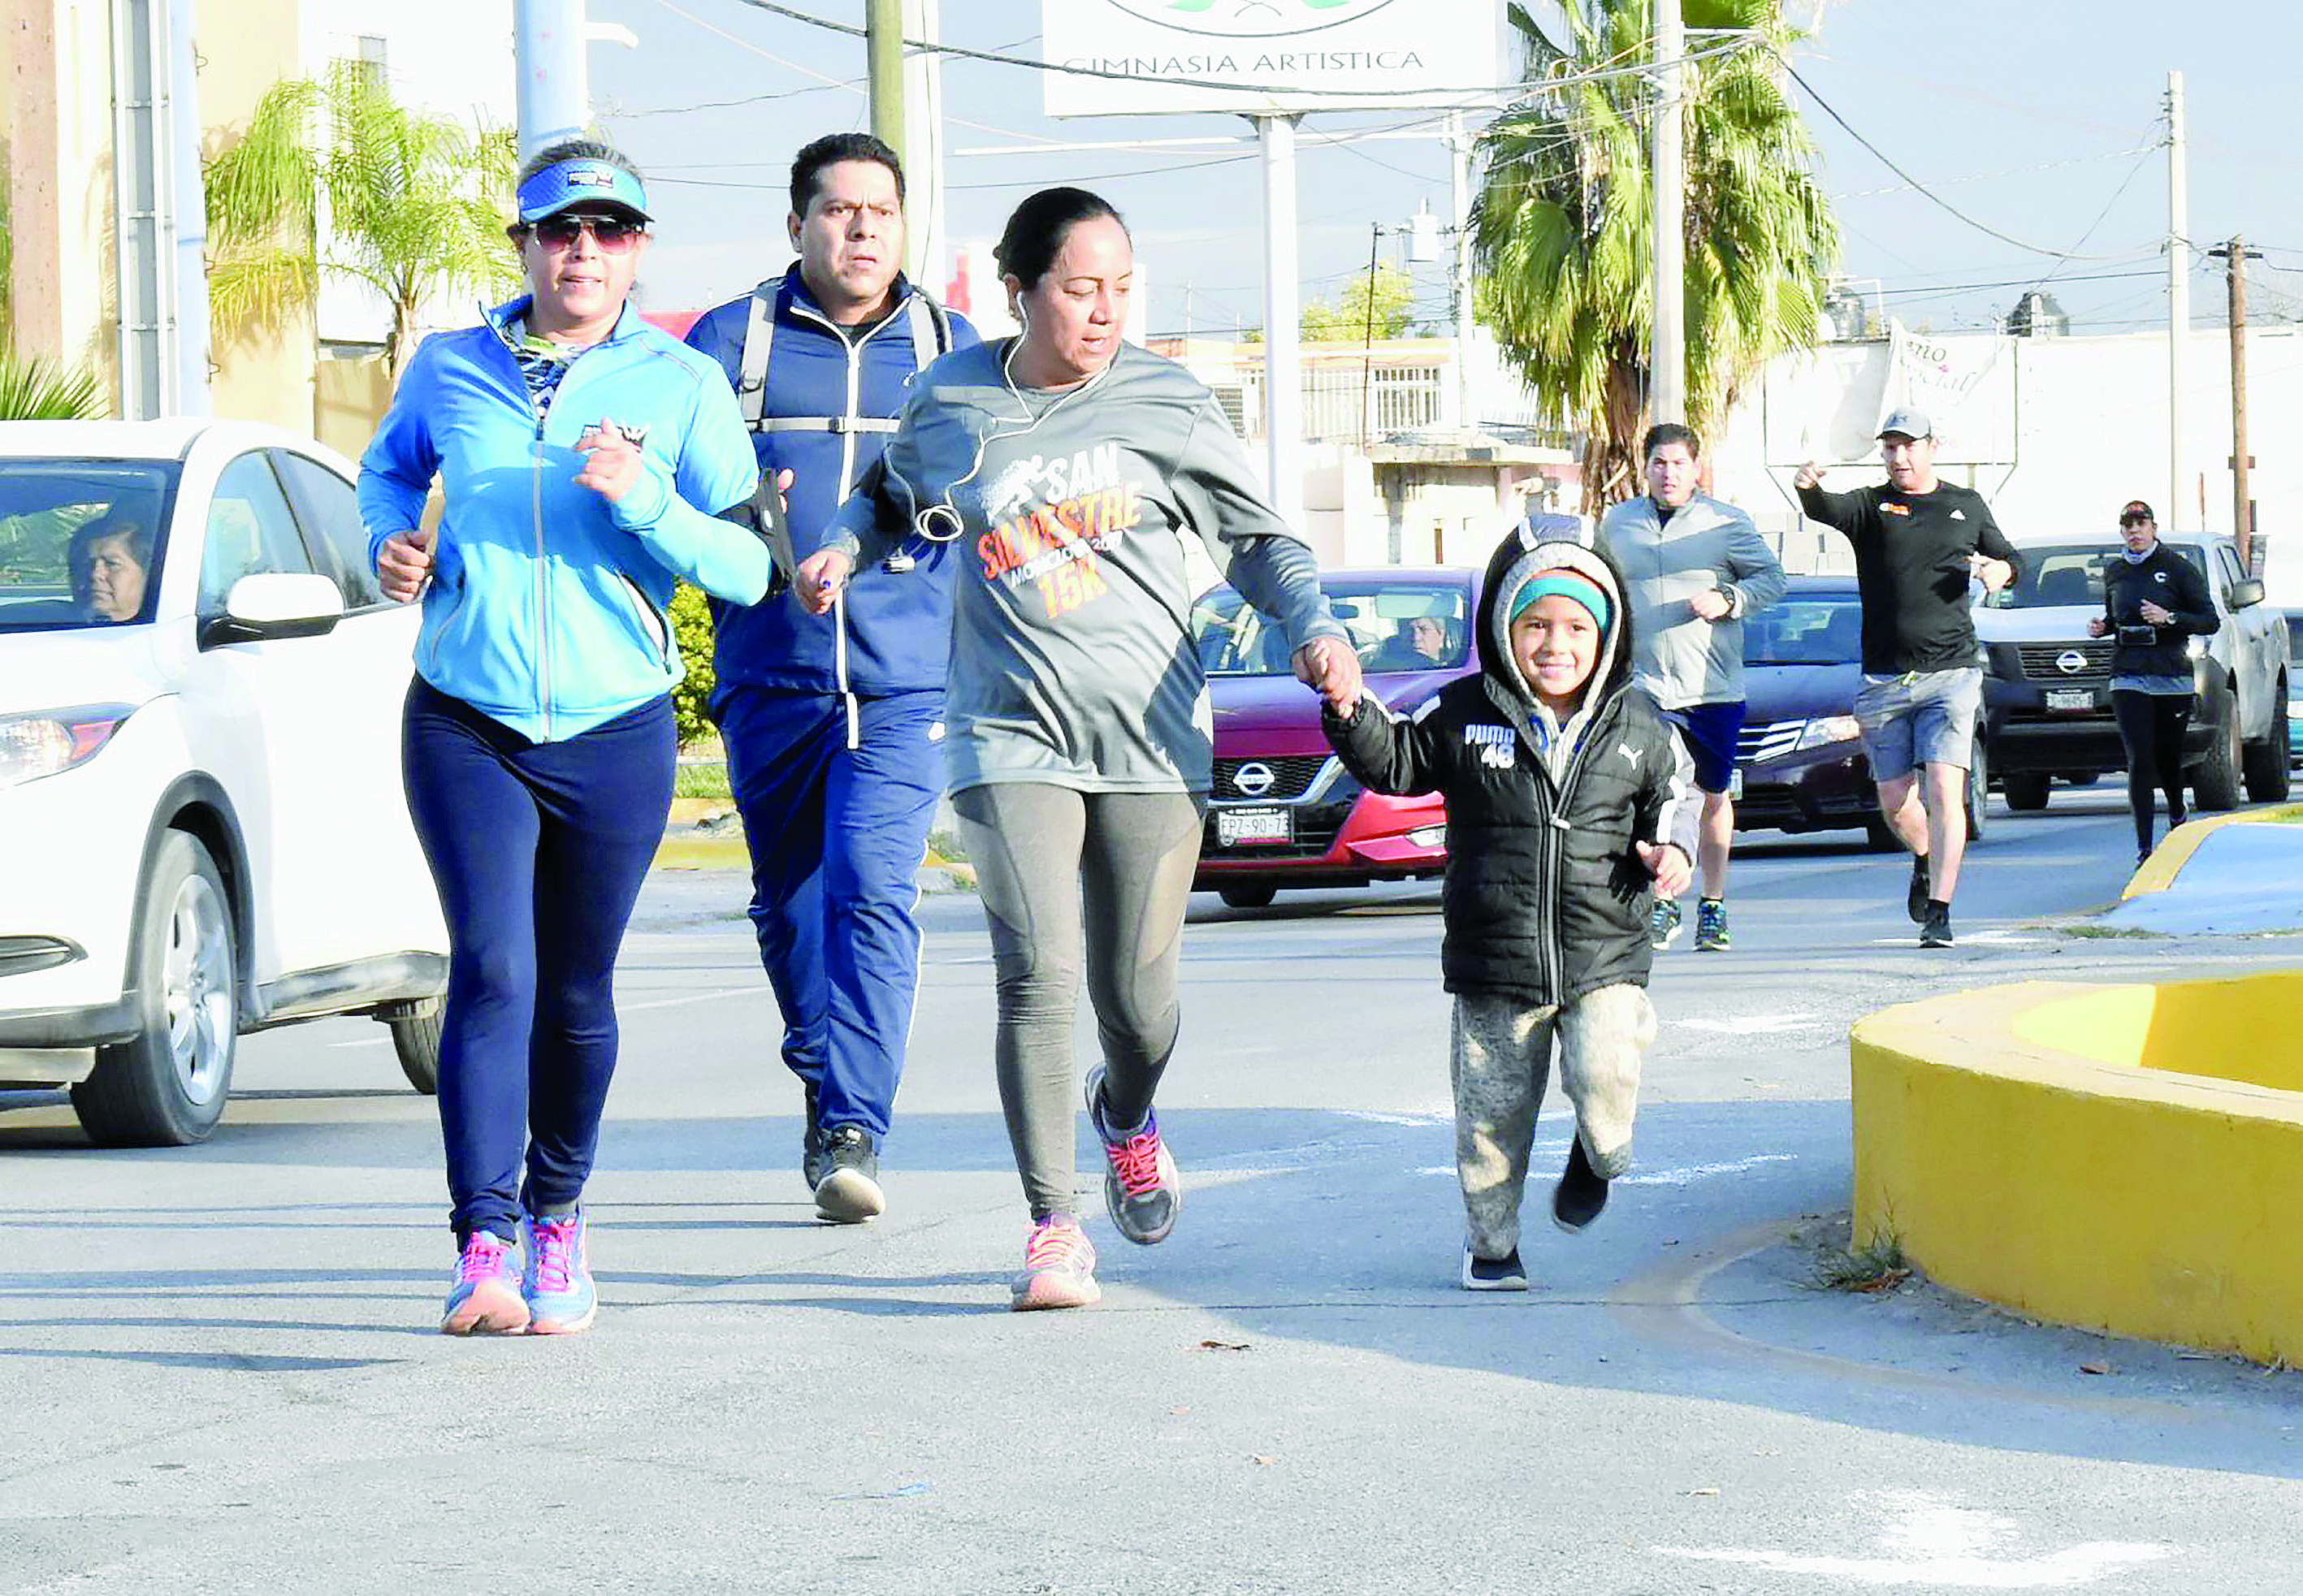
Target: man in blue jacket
[[834, 733]]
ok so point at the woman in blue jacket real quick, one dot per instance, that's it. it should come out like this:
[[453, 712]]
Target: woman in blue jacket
[[582, 455]]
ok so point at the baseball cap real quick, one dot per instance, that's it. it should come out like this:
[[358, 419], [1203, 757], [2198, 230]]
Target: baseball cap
[[583, 183], [2136, 510], [1907, 421]]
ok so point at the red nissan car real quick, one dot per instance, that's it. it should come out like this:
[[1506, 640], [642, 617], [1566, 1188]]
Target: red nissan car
[[1283, 812]]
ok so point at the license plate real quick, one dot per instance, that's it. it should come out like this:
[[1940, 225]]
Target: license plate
[[1239, 828], [2071, 698], [1734, 783]]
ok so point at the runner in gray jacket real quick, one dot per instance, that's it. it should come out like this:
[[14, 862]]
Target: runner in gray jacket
[[1693, 567], [1070, 466]]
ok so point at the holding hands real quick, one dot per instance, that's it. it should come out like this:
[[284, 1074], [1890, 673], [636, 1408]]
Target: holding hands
[[1332, 670]]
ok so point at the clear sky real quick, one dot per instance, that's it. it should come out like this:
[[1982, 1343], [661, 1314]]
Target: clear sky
[[2025, 114]]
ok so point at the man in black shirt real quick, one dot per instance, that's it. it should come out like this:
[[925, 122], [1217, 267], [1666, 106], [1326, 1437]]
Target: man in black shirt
[[1918, 541]]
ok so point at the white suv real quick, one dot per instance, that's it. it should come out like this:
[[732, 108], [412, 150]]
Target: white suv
[[202, 831]]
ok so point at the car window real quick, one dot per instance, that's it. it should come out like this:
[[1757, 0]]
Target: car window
[[251, 532], [81, 541], [2295, 639], [2069, 574], [2229, 561], [330, 510], [1396, 625], [1826, 630]]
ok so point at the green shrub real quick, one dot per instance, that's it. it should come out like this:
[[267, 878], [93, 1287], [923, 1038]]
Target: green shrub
[[691, 624]]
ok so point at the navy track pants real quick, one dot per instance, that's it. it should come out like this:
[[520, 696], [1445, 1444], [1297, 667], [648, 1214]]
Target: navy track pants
[[538, 851], [837, 835]]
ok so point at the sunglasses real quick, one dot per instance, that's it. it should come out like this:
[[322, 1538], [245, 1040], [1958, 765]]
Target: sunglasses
[[614, 234]]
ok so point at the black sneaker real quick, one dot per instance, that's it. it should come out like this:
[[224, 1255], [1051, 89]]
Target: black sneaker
[[1582, 1192], [815, 1160], [1493, 1274], [849, 1192], [1915, 901], [1934, 931]]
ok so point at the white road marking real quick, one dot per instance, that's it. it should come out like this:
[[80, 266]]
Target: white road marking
[[1755, 1024], [363, 1041], [1684, 1177], [1927, 1543]]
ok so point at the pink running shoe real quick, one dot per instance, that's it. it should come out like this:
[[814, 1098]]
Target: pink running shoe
[[558, 1283], [1058, 1268], [485, 1297]]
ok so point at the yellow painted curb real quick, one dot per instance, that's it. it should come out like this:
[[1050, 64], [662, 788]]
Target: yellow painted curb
[[2157, 872], [2122, 1158]]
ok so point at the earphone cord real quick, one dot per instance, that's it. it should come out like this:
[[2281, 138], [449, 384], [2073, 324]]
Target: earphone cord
[[945, 510]]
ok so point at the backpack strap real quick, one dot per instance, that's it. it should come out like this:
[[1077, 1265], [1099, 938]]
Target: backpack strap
[[759, 336], [931, 328]]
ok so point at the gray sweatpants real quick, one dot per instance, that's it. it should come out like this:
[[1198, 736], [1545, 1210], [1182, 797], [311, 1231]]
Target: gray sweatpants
[[1499, 1060], [1050, 861]]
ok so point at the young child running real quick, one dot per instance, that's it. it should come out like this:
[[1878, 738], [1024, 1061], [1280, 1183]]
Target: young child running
[[1563, 787]]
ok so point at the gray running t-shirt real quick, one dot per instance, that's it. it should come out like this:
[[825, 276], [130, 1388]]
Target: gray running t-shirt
[[1072, 656]]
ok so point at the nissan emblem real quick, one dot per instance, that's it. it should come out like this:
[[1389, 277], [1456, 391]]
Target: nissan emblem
[[1253, 779], [2070, 662]]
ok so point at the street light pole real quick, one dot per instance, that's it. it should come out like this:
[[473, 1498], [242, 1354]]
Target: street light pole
[[884, 30], [1667, 355], [553, 101]]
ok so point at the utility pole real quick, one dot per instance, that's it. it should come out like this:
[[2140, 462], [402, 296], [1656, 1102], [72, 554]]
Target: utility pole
[[884, 29], [922, 149], [1283, 357], [2235, 256], [1667, 163], [1459, 162], [1367, 345], [2179, 304]]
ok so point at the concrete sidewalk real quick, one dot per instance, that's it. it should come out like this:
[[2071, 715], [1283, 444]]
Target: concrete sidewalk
[[2233, 874]]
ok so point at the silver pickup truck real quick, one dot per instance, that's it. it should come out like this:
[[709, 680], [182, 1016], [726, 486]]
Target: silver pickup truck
[[2047, 684]]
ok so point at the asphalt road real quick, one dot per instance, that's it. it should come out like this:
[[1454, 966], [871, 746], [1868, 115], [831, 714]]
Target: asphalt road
[[219, 1371]]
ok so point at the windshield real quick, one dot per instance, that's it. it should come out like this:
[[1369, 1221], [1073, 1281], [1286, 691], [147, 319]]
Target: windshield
[[2069, 573], [1396, 625], [81, 541], [1826, 629]]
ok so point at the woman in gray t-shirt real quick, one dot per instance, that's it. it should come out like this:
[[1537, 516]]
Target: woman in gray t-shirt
[[1070, 465]]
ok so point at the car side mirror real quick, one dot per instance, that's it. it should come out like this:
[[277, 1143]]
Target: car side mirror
[[274, 604], [2246, 593]]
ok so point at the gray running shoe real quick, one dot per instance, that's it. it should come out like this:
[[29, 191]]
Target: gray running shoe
[[1140, 1188], [1493, 1274], [849, 1192], [1935, 932], [1663, 924]]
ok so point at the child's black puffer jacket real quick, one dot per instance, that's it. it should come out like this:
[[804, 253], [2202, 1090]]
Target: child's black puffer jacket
[[1545, 898]]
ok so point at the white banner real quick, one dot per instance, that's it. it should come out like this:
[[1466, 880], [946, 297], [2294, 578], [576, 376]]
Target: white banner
[[1941, 377], [1282, 55]]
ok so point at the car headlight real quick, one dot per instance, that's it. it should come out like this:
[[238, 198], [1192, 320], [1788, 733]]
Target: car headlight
[[1428, 836], [40, 744], [1828, 728]]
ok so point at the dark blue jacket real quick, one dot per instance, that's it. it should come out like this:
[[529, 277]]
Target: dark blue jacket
[[898, 623]]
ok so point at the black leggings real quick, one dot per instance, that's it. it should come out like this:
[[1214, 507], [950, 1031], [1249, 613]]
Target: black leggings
[[2152, 726]]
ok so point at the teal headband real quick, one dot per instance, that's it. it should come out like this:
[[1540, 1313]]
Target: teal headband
[[1565, 584]]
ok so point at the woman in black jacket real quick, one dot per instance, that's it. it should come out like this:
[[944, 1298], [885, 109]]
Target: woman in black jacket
[[2154, 602]]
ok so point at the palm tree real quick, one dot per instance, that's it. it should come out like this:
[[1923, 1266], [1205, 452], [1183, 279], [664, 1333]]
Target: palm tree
[[32, 389], [1564, 227], [338, 177]]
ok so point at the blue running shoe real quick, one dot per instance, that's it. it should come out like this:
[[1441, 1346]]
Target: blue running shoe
[[485, 1298], [1710, 926], [557, 1279]]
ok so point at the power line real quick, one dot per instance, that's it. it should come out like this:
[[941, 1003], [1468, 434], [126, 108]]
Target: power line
[[1479, 90], [1924, 190]]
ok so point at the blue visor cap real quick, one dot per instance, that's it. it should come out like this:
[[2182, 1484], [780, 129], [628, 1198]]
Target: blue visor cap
[[581, 185]]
